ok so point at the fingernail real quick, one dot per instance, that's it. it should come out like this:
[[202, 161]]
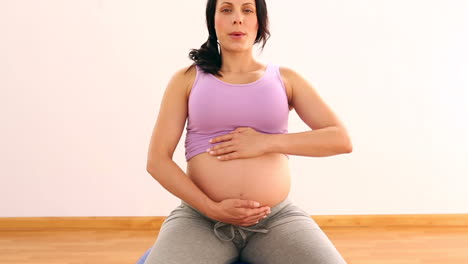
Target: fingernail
[[264, 216], [256, 204]]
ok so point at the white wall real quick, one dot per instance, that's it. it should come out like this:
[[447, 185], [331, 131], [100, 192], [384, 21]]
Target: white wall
[[81, 84]]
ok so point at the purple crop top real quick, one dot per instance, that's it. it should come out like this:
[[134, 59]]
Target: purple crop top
[[216, 108]]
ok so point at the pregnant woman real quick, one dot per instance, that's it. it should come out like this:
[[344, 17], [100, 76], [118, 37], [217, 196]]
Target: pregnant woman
[[234, 194]]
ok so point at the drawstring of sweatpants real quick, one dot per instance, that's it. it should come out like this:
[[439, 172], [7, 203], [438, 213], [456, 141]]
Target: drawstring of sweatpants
[[239, 228]]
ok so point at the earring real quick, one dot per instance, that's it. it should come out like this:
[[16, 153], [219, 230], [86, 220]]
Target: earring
[[219, 48]]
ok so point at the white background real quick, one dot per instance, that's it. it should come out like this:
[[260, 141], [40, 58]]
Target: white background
[[81, 84]]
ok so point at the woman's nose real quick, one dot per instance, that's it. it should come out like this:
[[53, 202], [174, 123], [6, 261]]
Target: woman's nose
[[237, 19]]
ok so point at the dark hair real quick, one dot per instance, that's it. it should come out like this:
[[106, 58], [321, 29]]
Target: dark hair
[[208, 57]]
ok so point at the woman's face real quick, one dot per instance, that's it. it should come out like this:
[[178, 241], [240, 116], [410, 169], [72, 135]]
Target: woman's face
[[236, 16]]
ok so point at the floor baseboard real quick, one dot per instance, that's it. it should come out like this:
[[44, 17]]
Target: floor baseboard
[[154, 223]]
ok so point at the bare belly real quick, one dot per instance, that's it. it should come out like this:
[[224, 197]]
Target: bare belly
[[265, 179]]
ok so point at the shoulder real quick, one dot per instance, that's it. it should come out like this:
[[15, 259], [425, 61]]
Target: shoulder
[[294, 79], [290, 77], [184, 77]]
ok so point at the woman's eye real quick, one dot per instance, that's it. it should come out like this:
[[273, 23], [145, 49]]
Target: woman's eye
[[248, 10]]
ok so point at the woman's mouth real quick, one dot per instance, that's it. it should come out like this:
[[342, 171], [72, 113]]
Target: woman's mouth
[[237, 35]]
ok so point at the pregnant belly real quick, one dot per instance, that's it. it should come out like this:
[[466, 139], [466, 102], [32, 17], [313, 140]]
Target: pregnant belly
[[264, 179]]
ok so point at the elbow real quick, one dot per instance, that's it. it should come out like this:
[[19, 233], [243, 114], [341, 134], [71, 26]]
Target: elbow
[[150, 166], [153, 171], [344, 148], [149, 169], [155, 162], [347, 145], [348, 148]]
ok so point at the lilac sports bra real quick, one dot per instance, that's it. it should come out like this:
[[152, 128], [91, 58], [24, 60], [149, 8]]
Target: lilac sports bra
[[216, 108]]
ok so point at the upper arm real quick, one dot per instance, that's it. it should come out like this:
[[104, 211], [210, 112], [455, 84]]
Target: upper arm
[[171, 118], [308, 104]]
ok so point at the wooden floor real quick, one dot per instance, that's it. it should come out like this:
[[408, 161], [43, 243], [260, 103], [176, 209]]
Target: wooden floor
[[358, 245]]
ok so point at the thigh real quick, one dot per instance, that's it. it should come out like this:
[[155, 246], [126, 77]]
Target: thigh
[[188, 237], [293, 237]]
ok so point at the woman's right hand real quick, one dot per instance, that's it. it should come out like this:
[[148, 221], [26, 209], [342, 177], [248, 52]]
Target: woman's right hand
[[239, 212]]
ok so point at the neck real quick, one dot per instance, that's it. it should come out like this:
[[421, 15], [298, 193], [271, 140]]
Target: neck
[[235, 62]]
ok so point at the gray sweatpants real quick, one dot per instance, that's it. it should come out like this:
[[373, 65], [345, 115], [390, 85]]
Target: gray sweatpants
[[287, 235]]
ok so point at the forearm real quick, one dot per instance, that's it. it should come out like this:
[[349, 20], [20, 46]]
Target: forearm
[[174, 180], [323, 142]]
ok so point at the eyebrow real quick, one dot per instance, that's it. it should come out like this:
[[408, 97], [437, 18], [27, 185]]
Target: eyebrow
[[242, 4]]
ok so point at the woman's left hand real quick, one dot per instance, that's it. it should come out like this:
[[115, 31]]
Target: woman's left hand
[[243, 142]]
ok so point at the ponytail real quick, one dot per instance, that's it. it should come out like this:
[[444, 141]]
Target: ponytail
[[207, 57]]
